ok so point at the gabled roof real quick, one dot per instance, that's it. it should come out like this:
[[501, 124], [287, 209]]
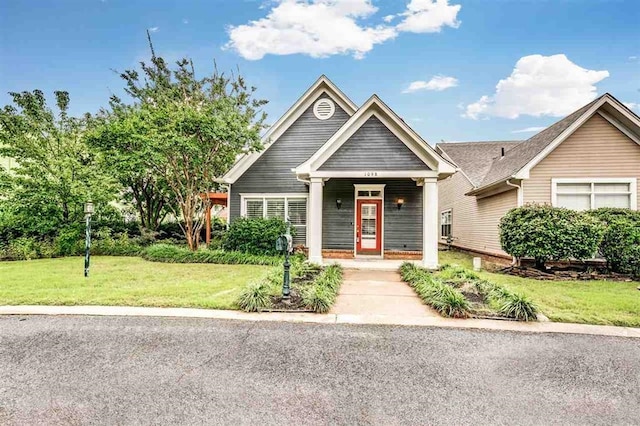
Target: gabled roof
[[521, 157], [375, 107], [475, 158], [322, 85]]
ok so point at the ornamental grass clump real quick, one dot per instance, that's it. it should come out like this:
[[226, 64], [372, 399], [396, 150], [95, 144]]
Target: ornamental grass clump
[[255, 297], [445, 299], [321, 295], [507, 303]]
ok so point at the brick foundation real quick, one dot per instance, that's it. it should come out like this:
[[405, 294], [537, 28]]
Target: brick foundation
[[388, 254]]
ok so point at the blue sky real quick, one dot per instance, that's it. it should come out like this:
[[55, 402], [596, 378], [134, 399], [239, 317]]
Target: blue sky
[[481, 69]]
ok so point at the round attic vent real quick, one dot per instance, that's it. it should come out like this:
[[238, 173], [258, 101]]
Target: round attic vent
[[324, 108]]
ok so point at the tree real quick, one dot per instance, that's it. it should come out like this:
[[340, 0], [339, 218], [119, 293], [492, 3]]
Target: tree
[[56, 173], [121, 135], [189, 130]]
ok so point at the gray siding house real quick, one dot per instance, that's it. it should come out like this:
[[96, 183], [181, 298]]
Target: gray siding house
[[355, 182]]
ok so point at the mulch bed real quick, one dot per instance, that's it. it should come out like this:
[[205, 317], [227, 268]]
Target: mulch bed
[[295, 302], [565, 274]]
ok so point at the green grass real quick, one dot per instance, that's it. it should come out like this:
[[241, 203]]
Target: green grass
[[123, 281], [588, 302]]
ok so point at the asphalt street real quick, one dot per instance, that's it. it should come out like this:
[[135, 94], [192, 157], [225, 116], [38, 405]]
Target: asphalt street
[[128, 370]]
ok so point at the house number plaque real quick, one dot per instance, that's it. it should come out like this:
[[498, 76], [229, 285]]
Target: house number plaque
[[370, 174]]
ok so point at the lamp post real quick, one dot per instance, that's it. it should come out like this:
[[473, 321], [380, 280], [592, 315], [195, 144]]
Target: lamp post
[[286, 285], [88, 211]]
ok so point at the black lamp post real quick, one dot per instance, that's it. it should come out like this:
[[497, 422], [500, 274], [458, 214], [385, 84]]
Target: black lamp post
[[88, 211], [286, 284]]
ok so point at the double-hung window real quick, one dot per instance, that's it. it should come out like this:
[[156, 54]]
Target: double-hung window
[[586, 194], [293, 207], [446, 219]]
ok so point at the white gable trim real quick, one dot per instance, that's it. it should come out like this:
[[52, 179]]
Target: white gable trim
[[523, 173], [374, 107], [322, 85], [618, 125]]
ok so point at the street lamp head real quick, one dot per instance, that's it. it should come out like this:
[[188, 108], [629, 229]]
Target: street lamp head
[[88, 208]]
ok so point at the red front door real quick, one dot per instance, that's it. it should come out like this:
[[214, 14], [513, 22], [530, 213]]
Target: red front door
[[369, 227]]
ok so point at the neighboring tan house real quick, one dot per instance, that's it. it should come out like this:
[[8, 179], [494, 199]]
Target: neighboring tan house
[[587, 160], [354, 181]]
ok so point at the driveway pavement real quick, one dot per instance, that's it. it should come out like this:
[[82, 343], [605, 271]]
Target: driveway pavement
[[128, 370], [366, 292]]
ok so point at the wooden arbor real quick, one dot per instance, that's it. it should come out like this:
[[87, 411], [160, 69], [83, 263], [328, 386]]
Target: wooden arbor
[[215, 198]]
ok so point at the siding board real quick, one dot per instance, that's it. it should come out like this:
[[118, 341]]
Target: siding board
[[271, 173], [596, 149], [402, 228], [374, 146], [474, 221]]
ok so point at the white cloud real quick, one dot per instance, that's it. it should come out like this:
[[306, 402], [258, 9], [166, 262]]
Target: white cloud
[[632, 105], [319, 29], [539, 86], [633, 58], [429, 16], [153, 29], [529, 130], [437, 83], [389, 18], [185, 21]]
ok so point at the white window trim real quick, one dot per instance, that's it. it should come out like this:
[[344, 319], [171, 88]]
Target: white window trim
[[265, 196], [451, 224], [367, 187], [633, 188]]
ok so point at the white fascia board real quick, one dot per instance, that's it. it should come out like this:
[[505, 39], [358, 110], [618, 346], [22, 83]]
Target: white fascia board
[[375, 107], [413, 174], [618, 125], [523, 173], [323, 84]]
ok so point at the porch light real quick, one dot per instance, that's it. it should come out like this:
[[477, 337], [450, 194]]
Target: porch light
[[400, 202], [88, 208], [338, 203]]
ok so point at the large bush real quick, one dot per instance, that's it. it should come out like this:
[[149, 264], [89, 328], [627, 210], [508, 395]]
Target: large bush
[[547, 233], [620, 244], [257, 236]]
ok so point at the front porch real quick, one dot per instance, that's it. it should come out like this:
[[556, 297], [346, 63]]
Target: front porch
[[373, 223]]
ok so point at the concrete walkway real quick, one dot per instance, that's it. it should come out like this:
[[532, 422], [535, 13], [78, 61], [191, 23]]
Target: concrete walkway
[[378, 293]]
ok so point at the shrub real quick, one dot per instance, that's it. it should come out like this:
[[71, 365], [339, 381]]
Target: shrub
[[507, 303], [255, 297], [448, 301], [321, 295], [257, 236], [620, 244], [169, 253], [121, 245], [548, 233]]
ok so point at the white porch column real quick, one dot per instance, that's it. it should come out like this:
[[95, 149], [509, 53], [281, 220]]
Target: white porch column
[[430, 223], [315, 220]]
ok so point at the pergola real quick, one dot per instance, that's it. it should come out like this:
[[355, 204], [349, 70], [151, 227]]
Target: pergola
[[215, 198]]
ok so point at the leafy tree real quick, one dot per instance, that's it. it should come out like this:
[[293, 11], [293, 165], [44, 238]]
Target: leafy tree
[[188, 131], [121, 135], [56, 173]]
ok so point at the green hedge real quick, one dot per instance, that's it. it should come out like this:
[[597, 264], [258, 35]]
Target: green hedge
[[620, 244], [176, 254], [547, 233], [256, 236]]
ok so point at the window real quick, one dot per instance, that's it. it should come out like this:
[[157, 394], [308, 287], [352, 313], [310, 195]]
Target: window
[[585, 194], [445, 223], [275, 206]]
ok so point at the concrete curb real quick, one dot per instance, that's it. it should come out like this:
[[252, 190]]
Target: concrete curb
[[424, 321]]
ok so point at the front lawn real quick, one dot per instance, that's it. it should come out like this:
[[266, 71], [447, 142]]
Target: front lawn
[[123, 281], [589, 302]]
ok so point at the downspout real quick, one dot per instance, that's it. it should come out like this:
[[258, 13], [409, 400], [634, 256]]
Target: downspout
[[514, 260]]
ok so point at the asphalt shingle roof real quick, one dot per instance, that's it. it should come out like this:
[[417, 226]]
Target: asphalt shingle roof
[[475, 158], [482, 161]]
